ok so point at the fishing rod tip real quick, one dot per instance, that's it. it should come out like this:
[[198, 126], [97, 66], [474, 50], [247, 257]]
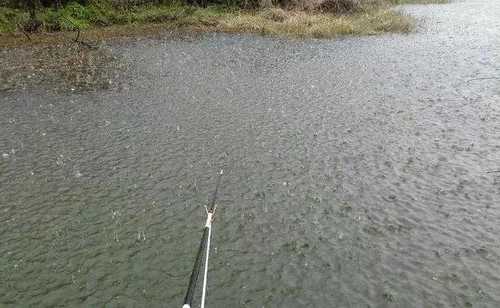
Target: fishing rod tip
[[221, 171]]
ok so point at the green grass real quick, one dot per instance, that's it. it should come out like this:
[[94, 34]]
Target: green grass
[[318, 25], [10, 19], [101, 14]]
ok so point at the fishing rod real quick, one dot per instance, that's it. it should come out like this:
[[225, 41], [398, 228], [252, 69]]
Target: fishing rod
[[204, 249]]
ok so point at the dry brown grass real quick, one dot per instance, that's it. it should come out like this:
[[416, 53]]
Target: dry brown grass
[[317, 25]]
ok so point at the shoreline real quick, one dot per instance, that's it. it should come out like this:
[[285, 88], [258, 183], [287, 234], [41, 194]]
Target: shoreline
[[57, 58], [272, 21]]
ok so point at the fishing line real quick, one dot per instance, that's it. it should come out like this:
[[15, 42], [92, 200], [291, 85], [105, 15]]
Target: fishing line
[[203, 250]]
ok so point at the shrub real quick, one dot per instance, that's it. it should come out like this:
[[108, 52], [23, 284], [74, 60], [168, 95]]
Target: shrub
[[10, 18]]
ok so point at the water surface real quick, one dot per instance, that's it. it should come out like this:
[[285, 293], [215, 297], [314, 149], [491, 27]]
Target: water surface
[[359, 172]]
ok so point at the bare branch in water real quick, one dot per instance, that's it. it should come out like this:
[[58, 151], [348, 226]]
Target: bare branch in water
[[77, 38]]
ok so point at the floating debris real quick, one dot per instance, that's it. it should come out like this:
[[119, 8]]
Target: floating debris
[[388, 297]]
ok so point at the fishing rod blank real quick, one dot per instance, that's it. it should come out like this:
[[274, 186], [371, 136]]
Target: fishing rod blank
[[204, 249]]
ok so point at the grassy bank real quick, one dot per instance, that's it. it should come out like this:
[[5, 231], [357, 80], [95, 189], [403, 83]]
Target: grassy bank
[[296, 23]]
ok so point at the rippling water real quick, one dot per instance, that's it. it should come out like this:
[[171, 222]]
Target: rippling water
[[360, 172]]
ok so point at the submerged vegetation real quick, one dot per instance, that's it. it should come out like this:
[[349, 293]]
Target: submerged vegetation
[[300, 18], [62, 67]]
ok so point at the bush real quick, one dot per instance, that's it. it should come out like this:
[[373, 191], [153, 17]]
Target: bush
[[71, 17], [10, 19]]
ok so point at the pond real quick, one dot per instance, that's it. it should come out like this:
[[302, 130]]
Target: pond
[[359, 172]]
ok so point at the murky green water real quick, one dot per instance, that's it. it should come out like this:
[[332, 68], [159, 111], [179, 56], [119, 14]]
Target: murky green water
[[360, 172]]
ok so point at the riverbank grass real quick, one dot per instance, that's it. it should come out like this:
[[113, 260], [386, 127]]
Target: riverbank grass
[[274, 21], [317, 25]]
